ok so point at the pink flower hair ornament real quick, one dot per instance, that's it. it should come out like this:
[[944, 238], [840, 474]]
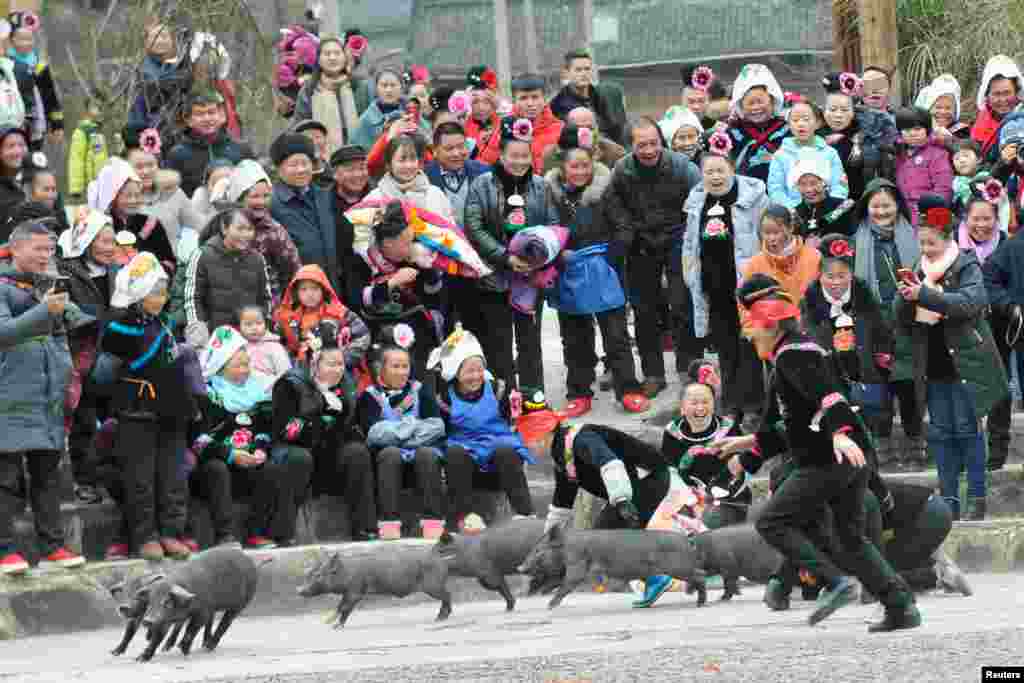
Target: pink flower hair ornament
[[992, 190], [460, 102], [357, 44], [149, 141], [702, 78], [29, 21], [404, 336], [585, 138], [522, 130], [850, 84], [720, 143]]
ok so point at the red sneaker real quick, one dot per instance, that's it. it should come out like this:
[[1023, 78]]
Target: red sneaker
[[190, 543], [578, 407], [63, 558], [260, 543], [635, 403], [667, 344], [116, 552], [13, 564]]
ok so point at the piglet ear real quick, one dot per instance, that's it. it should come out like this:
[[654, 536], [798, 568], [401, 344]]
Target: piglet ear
[[182, 596], [446, 538]]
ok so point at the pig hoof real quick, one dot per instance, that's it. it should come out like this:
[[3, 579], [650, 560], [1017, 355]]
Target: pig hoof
[[339, 625], [117, 651], [143, 658], [726, 597], [510, 607]]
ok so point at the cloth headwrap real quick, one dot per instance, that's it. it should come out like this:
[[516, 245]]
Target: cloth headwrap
[[999, 65], [137, 280], [678, 118], [946, 84], [244, 177], [534, 426], [752, 76], [456, 349], [113, 176], [810, 164], [86, 223], [225, 342], [766, 313]]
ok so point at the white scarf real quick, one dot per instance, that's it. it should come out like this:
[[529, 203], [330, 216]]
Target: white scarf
[[333, 402], [414, 191], [836, 305], [933, 272]]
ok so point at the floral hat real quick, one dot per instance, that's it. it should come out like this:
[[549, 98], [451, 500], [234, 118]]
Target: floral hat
[[513, 128], [460, 346], [137, 280], [225, 342]]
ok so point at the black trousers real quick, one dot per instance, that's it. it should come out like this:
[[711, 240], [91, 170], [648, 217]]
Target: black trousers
[[742, 371], [44, 493], [274, 491], [490, 317], [647, 495], [346, 470], [1001, 415], [508, 475], [423, 474], [645, 269], [796, 507], [911, 414], [578, 349], [149, 452], [81, 440]]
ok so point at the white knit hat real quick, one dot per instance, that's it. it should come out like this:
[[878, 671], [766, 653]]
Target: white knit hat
[[810, 164], [676, 118], [137, 280], [460, 346], [753, 76], [245, 175], [946, 84]]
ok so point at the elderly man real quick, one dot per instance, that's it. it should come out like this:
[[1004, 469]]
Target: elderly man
[[36, 368], [306, 211], [605, 100], [645, 204], [607, 152], [452, 170]]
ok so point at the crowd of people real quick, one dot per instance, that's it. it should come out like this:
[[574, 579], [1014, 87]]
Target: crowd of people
[[361, 311]]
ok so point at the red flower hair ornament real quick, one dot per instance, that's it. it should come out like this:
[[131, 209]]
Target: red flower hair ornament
[[841, 249]]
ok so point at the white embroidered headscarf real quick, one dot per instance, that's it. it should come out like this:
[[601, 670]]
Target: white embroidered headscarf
[[137, 280], [244, 177], [113, 176], [753, 76], [86, 223]]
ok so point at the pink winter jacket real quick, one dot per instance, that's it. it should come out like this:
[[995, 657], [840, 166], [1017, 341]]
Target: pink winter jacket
[[924, 170]]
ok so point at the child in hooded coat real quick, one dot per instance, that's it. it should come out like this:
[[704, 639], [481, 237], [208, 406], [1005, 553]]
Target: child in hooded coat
[[309, 299]]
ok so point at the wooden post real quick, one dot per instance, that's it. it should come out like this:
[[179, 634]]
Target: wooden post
[[585, 21], [502, 58], [330, 21], [530, 29], [838, 38], [879, 43]]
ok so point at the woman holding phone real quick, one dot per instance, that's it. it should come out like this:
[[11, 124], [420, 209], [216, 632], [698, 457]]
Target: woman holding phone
[[388, 106], [886, 249]]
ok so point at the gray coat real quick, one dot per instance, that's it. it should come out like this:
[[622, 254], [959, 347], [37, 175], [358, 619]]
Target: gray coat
[[751, 202], [35, 367]]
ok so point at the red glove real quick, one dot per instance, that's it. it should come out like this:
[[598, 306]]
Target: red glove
[[884, 360]]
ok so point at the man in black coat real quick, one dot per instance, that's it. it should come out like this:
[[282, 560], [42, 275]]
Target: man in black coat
[[605, 100]]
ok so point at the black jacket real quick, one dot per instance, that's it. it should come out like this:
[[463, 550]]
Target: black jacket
[[298, 400], [607, 103], [11, 195], [646, 208], [192, 156], [92, 295], [587, 214], [833, 215], [219, 282], [157, 243]]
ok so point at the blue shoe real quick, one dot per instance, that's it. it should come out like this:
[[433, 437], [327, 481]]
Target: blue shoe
[[654, 588], [836, 597]]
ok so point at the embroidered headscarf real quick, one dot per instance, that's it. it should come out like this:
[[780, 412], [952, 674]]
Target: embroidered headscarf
[[137, 280], [113, 176], [85, 225]]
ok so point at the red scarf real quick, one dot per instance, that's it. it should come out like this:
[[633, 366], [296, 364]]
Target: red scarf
[[760, 136], [986, 130]]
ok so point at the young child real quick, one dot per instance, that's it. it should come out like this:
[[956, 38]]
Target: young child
[[124, 247], [804, 120], [35, 81], [88, 151], [268, 359], [40, 185], [922, 164], [966, 165], [404, 431], [309, 299]]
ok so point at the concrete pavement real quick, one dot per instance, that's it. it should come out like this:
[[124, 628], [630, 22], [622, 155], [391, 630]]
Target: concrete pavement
[[589, 638]]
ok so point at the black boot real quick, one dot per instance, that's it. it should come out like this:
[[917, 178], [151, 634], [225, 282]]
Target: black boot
[[897, 619], [997, 455], [976, 509]]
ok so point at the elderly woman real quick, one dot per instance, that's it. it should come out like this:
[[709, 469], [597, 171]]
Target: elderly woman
[[250, 186], [952, 360], [118, 192], [941, 99], [998, 96], [884, 244], [236, 453], [760, 129], [722, 218], [225, 275], [333, 96], [576, 188], [86, 259], [683, 133]]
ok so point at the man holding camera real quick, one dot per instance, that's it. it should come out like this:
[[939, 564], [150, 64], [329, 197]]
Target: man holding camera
[[35, 365]]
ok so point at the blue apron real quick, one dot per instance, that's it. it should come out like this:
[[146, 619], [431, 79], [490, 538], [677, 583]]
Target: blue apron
[[479, 427], [409, 406]]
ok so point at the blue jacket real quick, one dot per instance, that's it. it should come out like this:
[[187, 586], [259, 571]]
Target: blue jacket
[[371, 125], [311, 222], [779, 189], [473, 169]]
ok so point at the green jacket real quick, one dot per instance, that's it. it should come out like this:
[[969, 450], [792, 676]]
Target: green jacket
[[963, 302], [87, 155]]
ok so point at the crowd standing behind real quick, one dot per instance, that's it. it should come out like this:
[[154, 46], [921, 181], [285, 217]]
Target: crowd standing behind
[[365, 315]]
